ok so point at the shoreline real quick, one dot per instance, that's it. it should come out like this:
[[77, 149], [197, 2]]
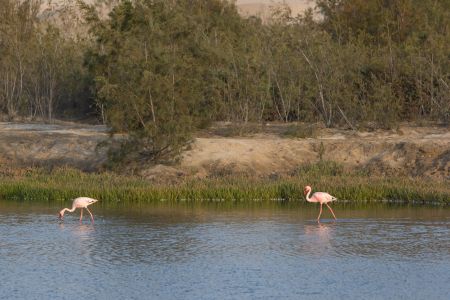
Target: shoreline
[[58, 162], [61, 185]]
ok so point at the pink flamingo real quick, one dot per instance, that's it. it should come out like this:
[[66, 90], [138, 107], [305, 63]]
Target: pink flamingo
[[80, 202], [320, 197]]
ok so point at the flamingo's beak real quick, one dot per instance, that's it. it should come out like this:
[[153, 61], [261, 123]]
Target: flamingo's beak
[[60, 216]]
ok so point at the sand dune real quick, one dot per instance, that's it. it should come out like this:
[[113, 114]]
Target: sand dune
[[262, 8]]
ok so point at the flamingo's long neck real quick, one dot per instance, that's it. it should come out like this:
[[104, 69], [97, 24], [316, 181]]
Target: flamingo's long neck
[[71, 209], [307, 196]]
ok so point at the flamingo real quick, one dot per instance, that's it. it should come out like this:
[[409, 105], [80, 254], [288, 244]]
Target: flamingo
[[80, 202], [320, 197]]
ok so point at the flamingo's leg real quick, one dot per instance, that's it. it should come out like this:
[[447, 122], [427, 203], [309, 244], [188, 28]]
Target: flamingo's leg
[[92, 217], [320, 212], [331, 211], [81, 214]]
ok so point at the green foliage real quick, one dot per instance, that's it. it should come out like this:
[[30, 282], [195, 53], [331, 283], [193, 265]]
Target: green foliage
[[157, 66], [64, 184]]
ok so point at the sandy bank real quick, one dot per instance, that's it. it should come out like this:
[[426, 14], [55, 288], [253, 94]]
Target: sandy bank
[[26, 144], [413, 151]]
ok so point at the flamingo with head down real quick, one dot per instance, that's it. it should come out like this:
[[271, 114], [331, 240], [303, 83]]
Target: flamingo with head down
[[80, 202], [319, 197]]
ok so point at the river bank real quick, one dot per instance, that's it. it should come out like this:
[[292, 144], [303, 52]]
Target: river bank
[[263, 151], [260, 163], [63, 184]]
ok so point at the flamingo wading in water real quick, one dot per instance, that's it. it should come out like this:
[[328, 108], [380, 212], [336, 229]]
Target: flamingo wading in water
[[80, 202], [319, 197]]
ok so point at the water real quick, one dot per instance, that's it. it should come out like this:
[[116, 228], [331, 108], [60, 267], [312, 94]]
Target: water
[[217, 253]]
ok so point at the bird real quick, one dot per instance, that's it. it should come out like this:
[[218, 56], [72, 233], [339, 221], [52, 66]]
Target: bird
[[319, 197], [80, 202]]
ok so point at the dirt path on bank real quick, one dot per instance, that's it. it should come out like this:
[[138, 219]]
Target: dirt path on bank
[[414, 151]]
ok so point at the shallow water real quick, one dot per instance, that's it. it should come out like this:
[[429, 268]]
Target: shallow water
[[222, 253]]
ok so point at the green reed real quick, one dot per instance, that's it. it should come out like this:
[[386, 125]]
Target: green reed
[[64, 184]]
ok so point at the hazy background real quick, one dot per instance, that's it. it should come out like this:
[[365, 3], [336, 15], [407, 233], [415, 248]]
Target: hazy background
[[252, 7], [246, 7]]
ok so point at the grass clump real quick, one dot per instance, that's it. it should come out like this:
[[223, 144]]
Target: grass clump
[[321, 168]]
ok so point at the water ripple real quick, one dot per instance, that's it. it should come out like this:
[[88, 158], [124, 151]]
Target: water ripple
[[178, 254]]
